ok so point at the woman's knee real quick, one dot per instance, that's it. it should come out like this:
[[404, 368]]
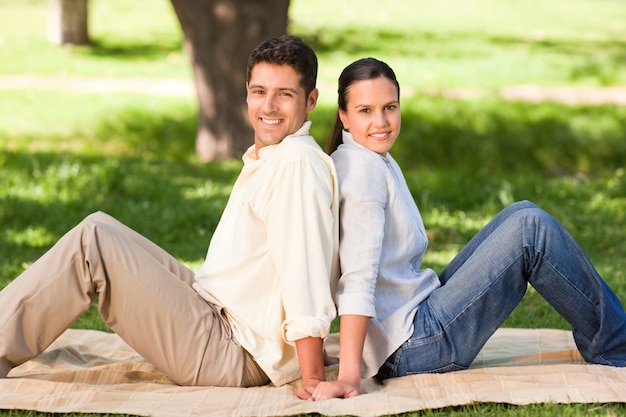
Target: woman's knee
[[515, 211], [523, 205], [532, 217], [526, 209]]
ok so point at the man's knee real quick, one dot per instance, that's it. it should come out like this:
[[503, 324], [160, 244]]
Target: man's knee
[[96, 218]]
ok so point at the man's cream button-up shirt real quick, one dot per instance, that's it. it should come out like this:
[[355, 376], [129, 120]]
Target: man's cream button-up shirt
[[272, 263]]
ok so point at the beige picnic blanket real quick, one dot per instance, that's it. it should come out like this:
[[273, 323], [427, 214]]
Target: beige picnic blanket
[[95, 372]]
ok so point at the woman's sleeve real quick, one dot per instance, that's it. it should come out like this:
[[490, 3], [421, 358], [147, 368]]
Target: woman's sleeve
[[363, 197]]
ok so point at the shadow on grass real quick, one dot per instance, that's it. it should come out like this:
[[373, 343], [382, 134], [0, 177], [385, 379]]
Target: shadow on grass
[[462, 144], [357, 41], [133, 50], [463, 162], [457, 156], [466, 160], [175, 204], [601, 59], [150, 134]]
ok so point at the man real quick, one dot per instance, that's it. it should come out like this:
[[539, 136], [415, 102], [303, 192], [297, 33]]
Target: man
[[259, 307]]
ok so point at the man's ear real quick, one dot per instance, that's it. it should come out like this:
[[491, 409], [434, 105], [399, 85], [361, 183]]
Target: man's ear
[[311, 100]]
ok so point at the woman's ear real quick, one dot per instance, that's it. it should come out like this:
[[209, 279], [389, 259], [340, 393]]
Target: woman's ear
[[344, 120]]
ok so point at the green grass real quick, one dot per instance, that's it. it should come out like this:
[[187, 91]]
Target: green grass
[[572, 410], [508, 42], [98, 124], [64, 154], [130, 39], [545, 42]]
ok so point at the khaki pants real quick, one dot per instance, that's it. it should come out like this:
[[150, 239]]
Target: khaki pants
[[144, 295]]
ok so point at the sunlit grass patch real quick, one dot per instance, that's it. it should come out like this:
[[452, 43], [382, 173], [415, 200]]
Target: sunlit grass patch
[[65, 154]]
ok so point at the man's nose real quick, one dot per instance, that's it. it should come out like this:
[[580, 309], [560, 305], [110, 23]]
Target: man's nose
[[269, 104]]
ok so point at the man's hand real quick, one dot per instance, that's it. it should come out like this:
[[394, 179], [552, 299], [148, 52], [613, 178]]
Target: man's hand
[[305, 392], [311, 358]]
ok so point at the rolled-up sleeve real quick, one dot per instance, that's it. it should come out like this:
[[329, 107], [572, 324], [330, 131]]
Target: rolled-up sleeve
[[302, 245]]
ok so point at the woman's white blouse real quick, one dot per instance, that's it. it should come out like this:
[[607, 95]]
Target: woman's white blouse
[[381, 247]]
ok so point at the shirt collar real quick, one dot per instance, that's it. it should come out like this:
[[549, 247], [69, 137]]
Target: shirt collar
[[348, 140]]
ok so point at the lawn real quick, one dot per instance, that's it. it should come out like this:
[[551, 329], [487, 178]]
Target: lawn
[[64, 154]]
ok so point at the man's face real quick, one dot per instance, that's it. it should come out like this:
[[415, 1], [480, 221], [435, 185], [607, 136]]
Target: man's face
[[277, 104]]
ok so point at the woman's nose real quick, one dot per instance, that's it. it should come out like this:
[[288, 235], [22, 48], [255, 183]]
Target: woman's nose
[[381, 119]]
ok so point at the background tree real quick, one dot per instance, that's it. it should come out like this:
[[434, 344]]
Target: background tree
[[67, 22], [219, 35]]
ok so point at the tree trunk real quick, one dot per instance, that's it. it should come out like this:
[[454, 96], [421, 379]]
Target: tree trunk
[[67, 22], [219, 36]]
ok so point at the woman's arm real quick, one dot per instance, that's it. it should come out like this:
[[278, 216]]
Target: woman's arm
[[363, 190], [351, 339]]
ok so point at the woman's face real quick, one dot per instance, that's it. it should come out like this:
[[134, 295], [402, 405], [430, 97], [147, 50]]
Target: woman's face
[[372, 113]]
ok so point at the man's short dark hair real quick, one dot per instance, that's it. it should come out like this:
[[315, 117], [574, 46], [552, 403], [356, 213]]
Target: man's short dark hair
[[287, 50]]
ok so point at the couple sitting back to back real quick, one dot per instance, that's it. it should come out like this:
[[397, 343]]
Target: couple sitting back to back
[[305, 236]]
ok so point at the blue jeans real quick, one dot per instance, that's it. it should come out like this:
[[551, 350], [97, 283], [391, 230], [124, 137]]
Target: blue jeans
[[487, 280]]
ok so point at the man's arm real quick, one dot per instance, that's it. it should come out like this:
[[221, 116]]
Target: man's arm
[[302, 236], [311, 359]]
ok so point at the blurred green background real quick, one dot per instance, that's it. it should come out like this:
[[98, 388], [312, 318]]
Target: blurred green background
[[111, 126]]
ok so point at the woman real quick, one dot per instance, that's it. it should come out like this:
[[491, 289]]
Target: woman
[[398, 319]]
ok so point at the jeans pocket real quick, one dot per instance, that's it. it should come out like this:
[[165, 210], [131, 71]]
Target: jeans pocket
[[441, 370], [433, 354]]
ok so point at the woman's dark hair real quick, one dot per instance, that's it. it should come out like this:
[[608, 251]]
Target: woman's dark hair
[[287, 50], [360, 70]]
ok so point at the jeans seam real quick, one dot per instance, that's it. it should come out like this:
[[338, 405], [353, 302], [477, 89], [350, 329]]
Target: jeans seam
[[591, 344], [497, 279], [595, 306]]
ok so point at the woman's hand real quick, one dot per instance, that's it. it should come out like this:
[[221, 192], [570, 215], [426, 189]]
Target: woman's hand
[[325, 390], [334, 389]]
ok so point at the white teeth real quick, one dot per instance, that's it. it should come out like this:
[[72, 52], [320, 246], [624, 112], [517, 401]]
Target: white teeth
[[379, 135], [270, 121]]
